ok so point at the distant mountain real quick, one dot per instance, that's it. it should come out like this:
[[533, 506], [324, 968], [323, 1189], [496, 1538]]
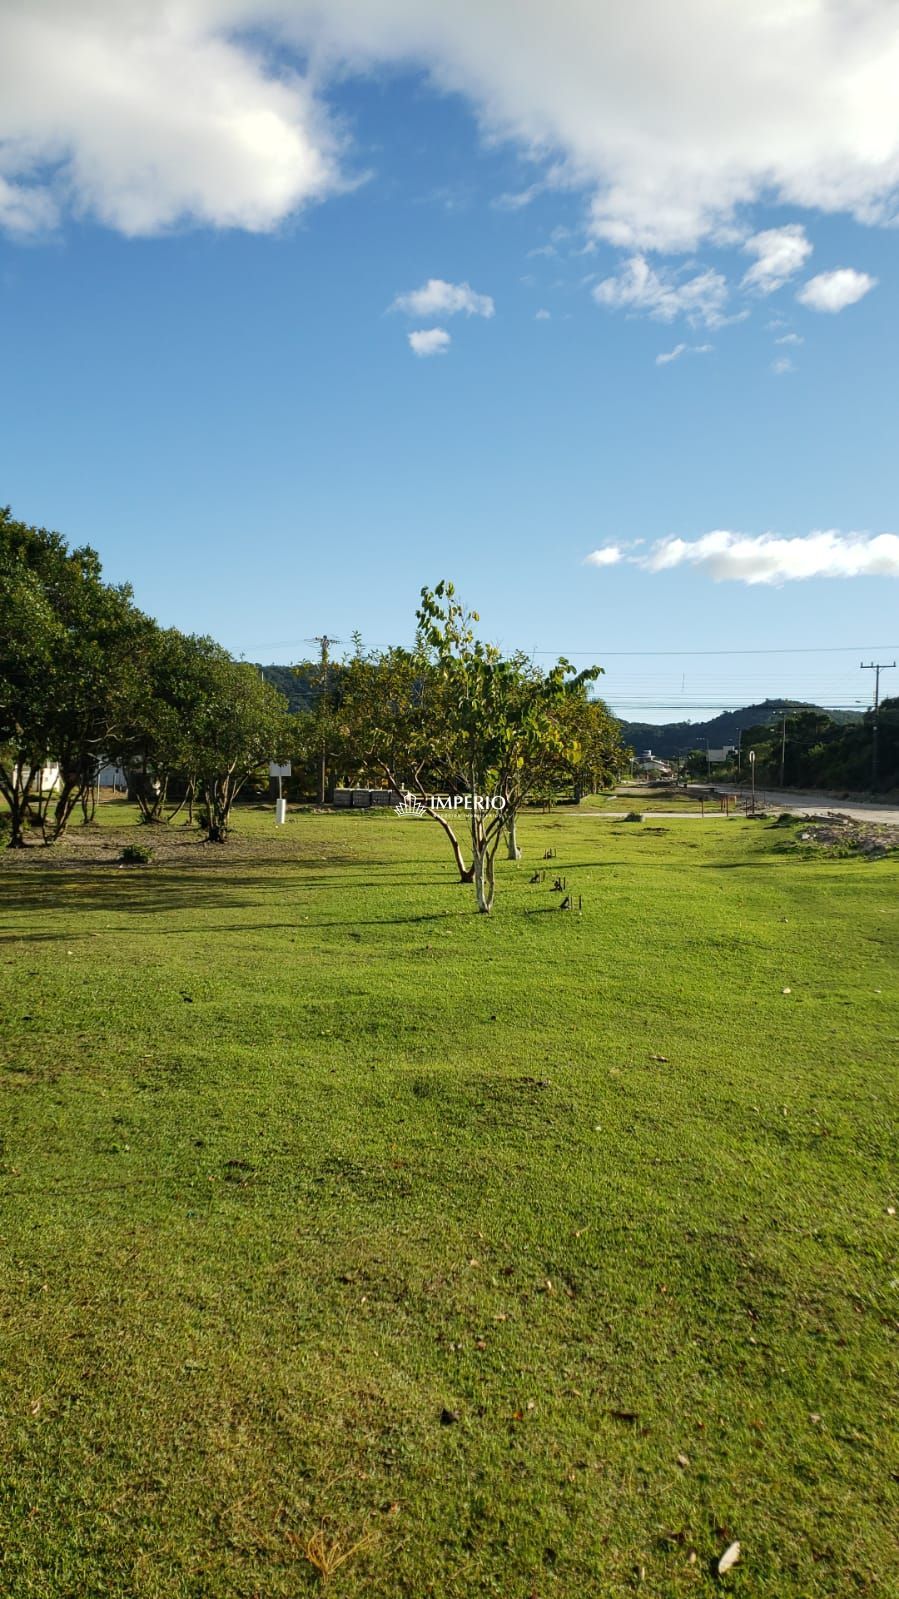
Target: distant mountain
[[668, 738], [296, 686]]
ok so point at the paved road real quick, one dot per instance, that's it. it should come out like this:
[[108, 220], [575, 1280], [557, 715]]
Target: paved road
[[818, 804], [769, 800]]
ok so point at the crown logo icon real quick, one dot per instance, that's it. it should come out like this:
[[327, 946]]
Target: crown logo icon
[[410, 807]]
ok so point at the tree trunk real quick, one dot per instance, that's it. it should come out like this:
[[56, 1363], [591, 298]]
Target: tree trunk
[[511, 831], [17, 814], [484, 879], [150, 794], [219, 795], [18, 797], [466, 873], [73, 786], [18, 817], [178, 808]]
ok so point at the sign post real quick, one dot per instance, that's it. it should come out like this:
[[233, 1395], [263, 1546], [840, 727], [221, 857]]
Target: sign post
[[279, 770]]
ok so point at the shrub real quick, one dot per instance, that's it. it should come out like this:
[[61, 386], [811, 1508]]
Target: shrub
[[634, 816], [136, 855]]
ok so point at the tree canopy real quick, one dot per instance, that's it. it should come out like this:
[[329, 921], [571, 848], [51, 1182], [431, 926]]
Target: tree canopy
[[85, 677]]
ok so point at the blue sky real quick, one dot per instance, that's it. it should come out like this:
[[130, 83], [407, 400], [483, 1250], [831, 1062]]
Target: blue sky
[[206, 381]]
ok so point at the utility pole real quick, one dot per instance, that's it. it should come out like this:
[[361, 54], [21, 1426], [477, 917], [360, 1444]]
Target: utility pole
[[783, 750], [876, 667], [324, 643]]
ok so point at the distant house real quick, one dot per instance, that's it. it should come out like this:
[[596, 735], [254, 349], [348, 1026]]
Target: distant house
[[648, 765], [46, 781], [112, 775]]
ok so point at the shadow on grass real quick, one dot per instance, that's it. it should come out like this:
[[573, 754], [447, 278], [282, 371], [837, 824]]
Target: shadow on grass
[[734, 866], [148, 896], [7, 939]]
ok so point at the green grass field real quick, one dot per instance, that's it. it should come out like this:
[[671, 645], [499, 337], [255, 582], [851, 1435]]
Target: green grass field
[[539, 1255]]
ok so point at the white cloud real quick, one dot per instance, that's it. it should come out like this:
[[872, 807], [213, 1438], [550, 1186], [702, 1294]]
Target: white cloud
[[518, 200], [147, 116], [833, 291], [430, 341], [674, 119], [782, 365], [790, 338], [609, 555], [769, 558], [439, 298], [26, 209], [682, 349], [542, 315], [665, 295], [780, 253]]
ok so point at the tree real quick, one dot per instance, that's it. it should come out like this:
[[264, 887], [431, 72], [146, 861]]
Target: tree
[[394, 723], [237, 721], [503, 725], [161, 755], [68, 672], [590, 754], [469, 733], [29, 635]]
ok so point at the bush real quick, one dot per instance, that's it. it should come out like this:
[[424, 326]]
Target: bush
[[5, 829], [136, 855], [785, 818], [634, 816]]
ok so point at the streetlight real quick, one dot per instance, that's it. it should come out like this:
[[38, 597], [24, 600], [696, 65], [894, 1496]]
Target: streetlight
[[752, 770]]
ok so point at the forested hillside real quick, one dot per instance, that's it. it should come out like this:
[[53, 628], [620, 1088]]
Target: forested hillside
[[669, 738]]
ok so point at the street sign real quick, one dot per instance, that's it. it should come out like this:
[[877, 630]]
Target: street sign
[[274, 770]]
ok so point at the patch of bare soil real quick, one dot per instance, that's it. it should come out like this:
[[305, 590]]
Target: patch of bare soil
[[101, 845]]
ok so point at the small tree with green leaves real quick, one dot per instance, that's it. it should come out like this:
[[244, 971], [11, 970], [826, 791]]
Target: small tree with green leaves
[[502, 730], [237, 723]]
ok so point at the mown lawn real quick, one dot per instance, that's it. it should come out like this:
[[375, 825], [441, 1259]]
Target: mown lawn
[[642, 797], [539, 1255]]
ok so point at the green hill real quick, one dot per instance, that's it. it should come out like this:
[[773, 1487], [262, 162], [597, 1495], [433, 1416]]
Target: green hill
[[668, 738]]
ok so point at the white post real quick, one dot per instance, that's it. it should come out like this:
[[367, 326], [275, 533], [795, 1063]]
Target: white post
[[279, 770]]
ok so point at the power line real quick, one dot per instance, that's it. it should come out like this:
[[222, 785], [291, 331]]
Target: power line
[[805, 649]]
